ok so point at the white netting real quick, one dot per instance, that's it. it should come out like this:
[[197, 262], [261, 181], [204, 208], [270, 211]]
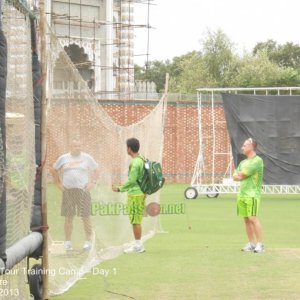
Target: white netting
[[216, 161], [74, 113], [20, 151]]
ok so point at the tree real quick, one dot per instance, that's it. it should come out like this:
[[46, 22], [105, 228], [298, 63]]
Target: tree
[[216, 64], [270, 47], [218, 53], [155, 71], [191, 73], [212, 66], [286, 55], [289, 77], [257, 71]]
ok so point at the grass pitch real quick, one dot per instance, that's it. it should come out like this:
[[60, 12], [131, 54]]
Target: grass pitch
[[197, 255]]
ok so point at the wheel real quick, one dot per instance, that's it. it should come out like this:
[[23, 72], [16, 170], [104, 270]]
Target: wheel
[[212, 192], [191, 193], [35, 281]]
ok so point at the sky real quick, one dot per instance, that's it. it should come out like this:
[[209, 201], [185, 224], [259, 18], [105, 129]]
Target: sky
[[179, 25]]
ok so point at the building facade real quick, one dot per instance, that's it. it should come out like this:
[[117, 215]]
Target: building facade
[[98, 37]]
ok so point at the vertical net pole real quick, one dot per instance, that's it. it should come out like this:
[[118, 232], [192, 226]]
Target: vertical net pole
[[201, 150], [3, 74], [43, 125], [213, 136]]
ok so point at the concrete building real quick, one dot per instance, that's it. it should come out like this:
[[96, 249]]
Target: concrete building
[[98, 36]]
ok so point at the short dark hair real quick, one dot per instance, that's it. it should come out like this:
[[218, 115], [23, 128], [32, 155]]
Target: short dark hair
[[133, 144]]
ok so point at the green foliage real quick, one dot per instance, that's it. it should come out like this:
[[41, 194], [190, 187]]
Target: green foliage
[[218, 54], [192, 73], [155, 71], [289, 77], [256, 71], [216, 64], [287, 55], [270, 47]]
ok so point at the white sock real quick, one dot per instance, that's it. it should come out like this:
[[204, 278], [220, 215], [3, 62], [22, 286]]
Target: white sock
[[139, 243]]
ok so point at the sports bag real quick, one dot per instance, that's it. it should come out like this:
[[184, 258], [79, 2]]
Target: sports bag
[[153, 179]]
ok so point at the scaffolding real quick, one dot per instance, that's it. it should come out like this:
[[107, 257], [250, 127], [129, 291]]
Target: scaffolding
[[214, 166], [107, 39]]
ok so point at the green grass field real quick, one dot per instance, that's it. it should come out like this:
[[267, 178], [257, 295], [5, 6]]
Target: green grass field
[[205, 261]]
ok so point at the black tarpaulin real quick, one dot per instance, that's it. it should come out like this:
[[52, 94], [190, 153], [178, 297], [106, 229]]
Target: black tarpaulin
[[36, 215], [274, 122]]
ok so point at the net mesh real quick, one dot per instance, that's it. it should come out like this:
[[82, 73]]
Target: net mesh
[[215, 144], [20, 152], [74, 114]]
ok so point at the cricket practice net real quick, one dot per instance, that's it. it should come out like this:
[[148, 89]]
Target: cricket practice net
[[73, 113], [19, 141]]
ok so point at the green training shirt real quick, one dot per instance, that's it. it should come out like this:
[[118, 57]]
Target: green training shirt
[[136, 172], [253, 168]]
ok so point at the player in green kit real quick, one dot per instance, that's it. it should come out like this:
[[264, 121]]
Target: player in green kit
[[250, 174], [135, 196]]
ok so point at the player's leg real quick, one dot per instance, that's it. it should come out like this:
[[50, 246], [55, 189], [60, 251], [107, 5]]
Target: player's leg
[[249, 230], [136, 206], [68, 228], [137, 231], [68, 211], [243, 211], [84, 211], [250, 246], [256, 227], [87, 225], [258, 233]]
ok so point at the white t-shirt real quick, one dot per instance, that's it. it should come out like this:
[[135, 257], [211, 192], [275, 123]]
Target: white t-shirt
[[75, 169]]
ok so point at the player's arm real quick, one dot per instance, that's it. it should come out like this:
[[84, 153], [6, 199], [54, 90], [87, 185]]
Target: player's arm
[[239, 176], [243, 173], [56, 178], [93, 179], [131, 181], [94, 172]]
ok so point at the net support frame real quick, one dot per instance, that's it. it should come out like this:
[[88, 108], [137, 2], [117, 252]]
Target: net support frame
[[230, 186]]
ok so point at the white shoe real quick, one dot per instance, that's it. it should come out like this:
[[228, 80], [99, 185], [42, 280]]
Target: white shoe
[[135, 249], [68, 246], [259, 248], [87, 246], [249, 247]]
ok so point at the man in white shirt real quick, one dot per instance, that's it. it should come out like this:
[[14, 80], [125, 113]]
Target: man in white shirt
[[75, 173]]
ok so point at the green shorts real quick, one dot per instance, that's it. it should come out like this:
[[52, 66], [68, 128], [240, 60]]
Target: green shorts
[[247, 206], [135, 208]]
